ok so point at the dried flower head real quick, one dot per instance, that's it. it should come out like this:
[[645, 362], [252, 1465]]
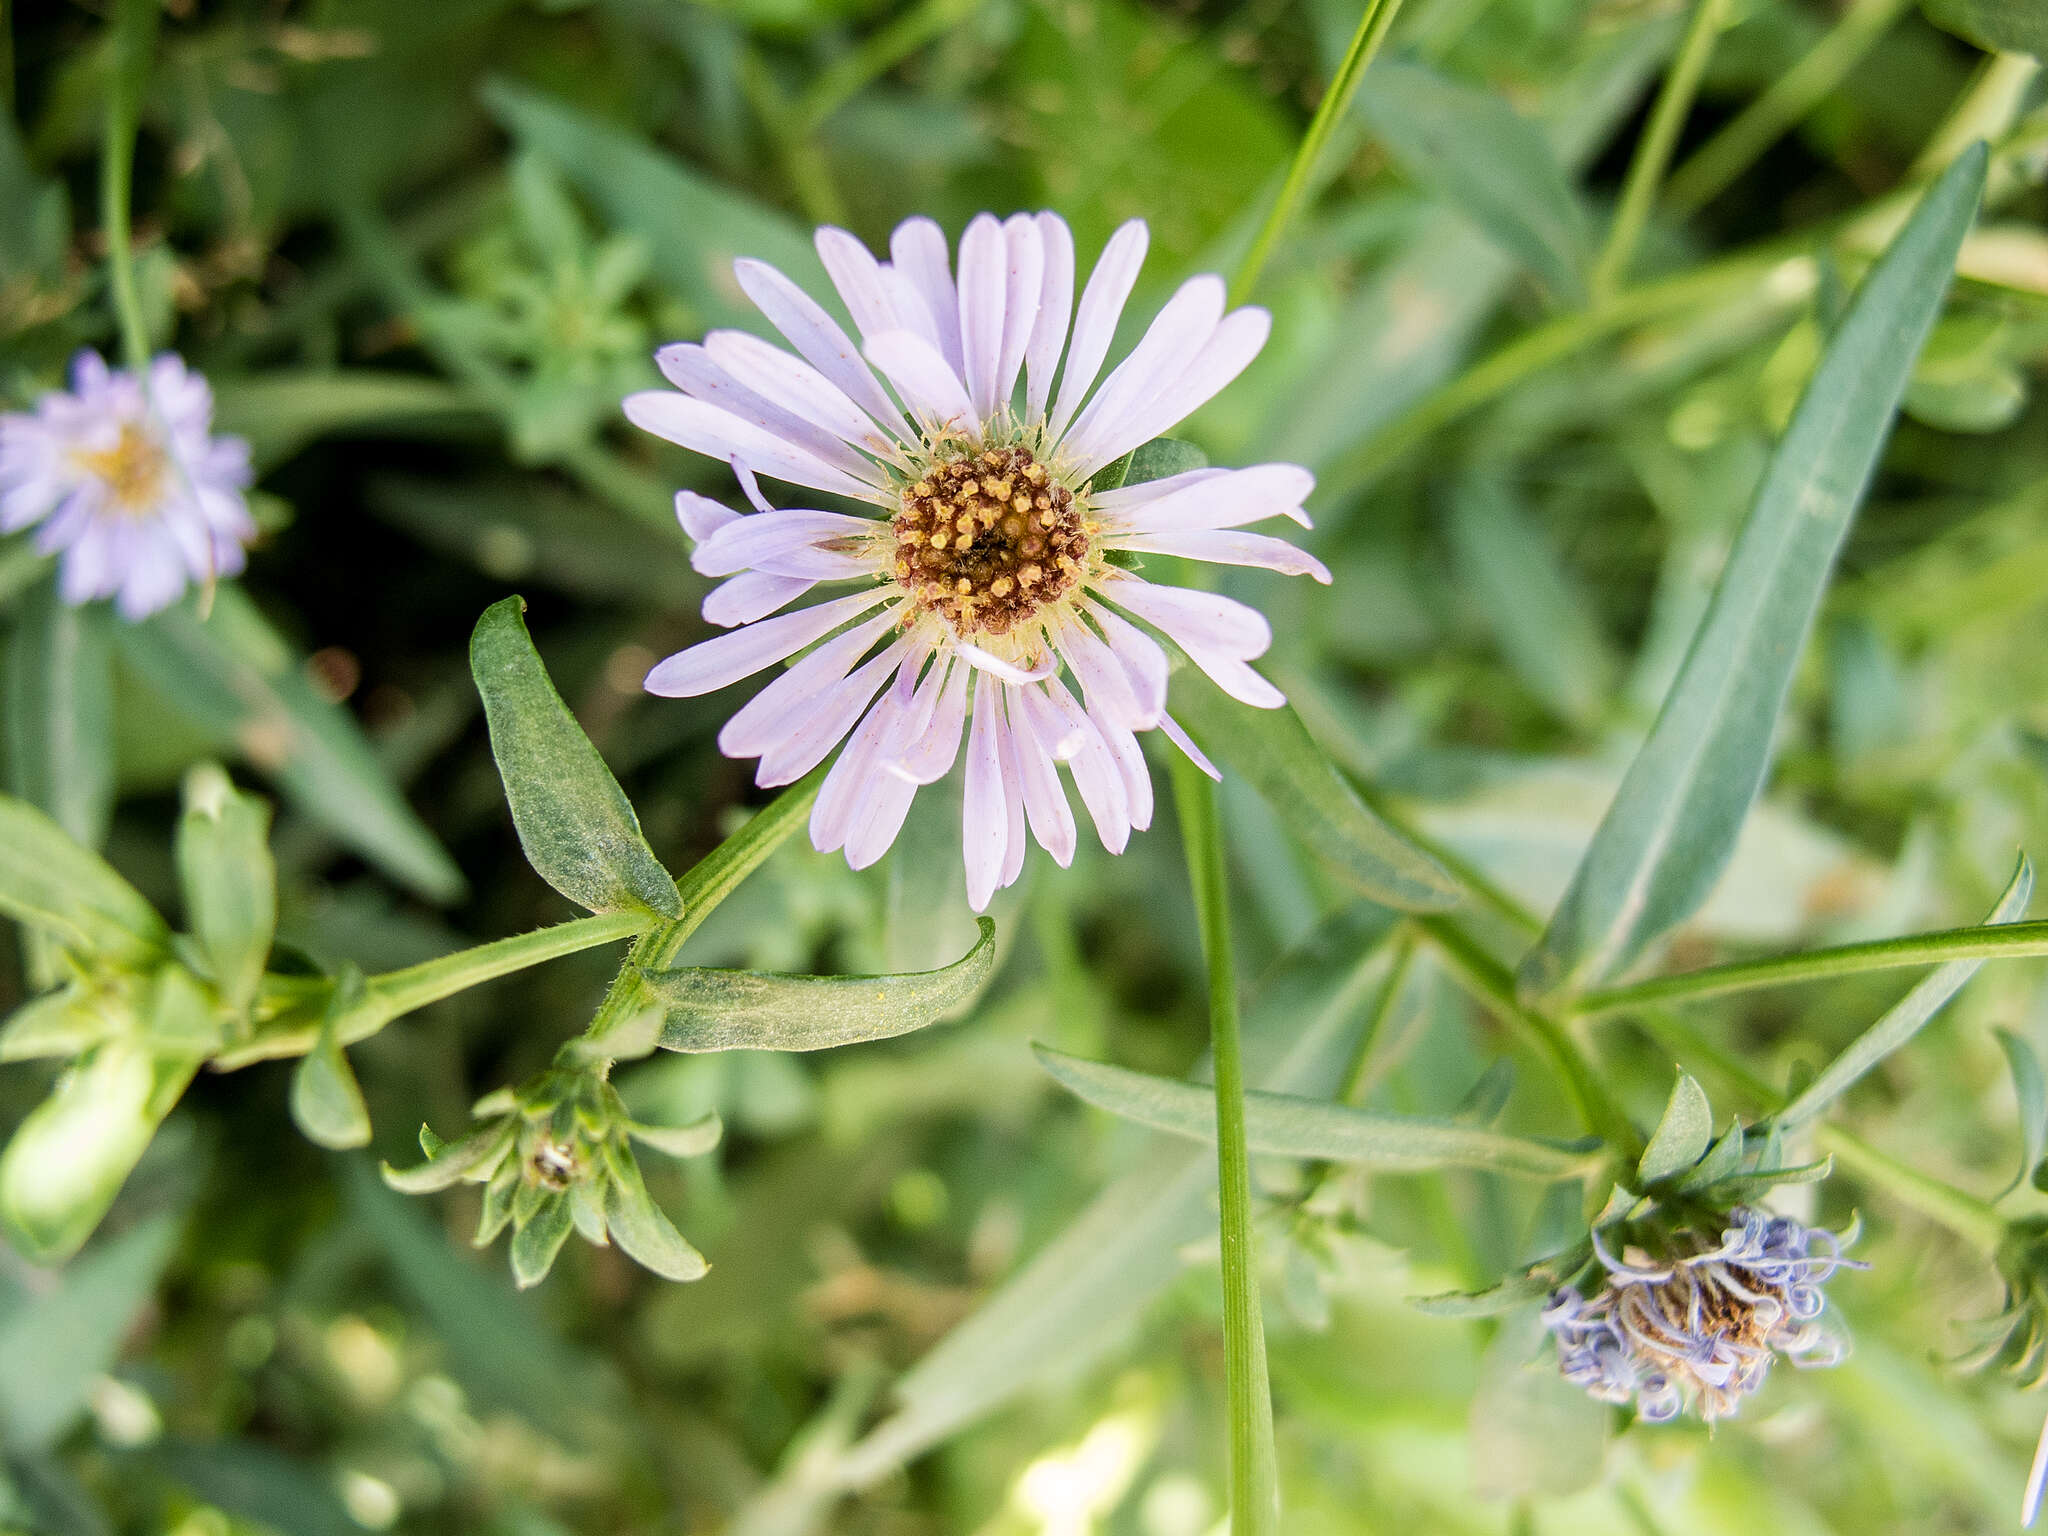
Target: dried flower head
[[128, 484], [1702, 1326]]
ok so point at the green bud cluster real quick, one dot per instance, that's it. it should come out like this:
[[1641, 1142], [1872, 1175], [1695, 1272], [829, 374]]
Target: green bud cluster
[[555, 1155]]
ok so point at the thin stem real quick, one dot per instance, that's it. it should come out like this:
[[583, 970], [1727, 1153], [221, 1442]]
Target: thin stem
[[1488, 981], [400, 992], [1653, 150], [713, 878], [133, 46], [1254, 1480], [808, 174], [876, 55], [2008, 941], [1373, 24], [1790, 98], [1987, 110]]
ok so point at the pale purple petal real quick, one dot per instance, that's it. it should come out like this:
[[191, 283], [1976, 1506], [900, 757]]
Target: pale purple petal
[[770, 715], [773, 373], [1102, 305], [1055, 309], [1209, 619], [700, 516], [786, 543], [1023, 288], [1045, 798], [752, 595], [725, 659], [1209, 498], [985, 819], [1177, 335], [1183, 389], [689, 367], [1130, 762], [857, 275], [1015, 844], [1143, 661], [830, 717], [719, 434], [1096, 773], [984, 263], [918, 250], [1228, 547], [1104, 679], [815, 335], [926, 380], [933, 743], [1171, 728]]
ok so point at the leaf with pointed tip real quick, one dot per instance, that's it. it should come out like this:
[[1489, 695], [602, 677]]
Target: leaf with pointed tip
[[1271, 750], [1672, 826], [51, 882], [1682, 1134], [712, 1010], [540, 1238], [692, 1140], [1723, 1160], [326, 1102], [641, 1227], [1155, 460], [1515, 1291], [473, 1159], [67, 1022], [1905, 1019], [59, 719], [229, 881], [1997, 26], [2030, 1090], [1485, 1100], [578, 829], [1282, 1125]]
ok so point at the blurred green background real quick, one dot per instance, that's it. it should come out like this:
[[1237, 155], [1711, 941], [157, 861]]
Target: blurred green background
[[422, 249]]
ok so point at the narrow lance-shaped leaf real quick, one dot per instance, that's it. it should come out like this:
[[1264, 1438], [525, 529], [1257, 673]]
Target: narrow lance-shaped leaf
[[1998, 26], [575, 823], [1682, 1134], [2030, 1089], [1282, 1125], [711, 1010], [1273, 752], [1673, 824], [326, 1102], [60, 712], [236, 679], [1905, 1019], [229, 881], [50, 881]]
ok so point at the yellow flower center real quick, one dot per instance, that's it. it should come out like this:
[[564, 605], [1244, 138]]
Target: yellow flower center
[[133, 470], [987, 540]]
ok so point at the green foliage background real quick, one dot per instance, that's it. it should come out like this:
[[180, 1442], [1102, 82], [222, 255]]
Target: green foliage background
[[422, 249]]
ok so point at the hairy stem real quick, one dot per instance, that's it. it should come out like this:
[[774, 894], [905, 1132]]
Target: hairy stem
[[1254, 1481]]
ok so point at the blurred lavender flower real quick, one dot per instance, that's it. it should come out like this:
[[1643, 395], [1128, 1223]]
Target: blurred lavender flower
[[1001, 553], [128, 483], [1701, 1328]]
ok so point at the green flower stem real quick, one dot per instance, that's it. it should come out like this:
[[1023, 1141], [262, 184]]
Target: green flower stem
[[1489, 981], [1254, 1478], [2009, 941], [809, 175], [1969, 1218], [713, 878], [1373, 24], [876, 55], [1653, 149], [132, 46], [1790, 98]]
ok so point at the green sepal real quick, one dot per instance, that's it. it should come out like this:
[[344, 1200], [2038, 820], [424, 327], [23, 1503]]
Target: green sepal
[[641, 1228], [539, 1238], [229, 882], [326, 1102]]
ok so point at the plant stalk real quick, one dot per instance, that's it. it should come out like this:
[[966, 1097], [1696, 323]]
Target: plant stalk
[[132, 46]]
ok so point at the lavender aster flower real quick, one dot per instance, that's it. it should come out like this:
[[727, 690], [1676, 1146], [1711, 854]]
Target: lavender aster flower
[[1703, 1327], [128, 484], [984, 575]]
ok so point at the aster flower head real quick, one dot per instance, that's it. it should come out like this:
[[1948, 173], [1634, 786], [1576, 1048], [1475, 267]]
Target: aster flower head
[[990, 560], [1701, 1326], [127, 484]]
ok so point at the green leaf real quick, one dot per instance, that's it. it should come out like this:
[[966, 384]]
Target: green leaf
[[1682, 1134], [693, 227], [712, 1010], [1545, 627], [51, 882], [539, 1239], [1905, 1019], [1723, 1160], [72, 1154], [2030, 1089], [279, 412], [1468, 145], [56, 1341], [473, 1159], [692, 1140], [67, 1022], [1155, 460], [229, 881], [1512, 1293], [575, 823], [1997, 26], [640, 1226], [1673, 824], [1273, 752], [233, 677], [326, 1102], [1281, 1125], [60, 712]]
